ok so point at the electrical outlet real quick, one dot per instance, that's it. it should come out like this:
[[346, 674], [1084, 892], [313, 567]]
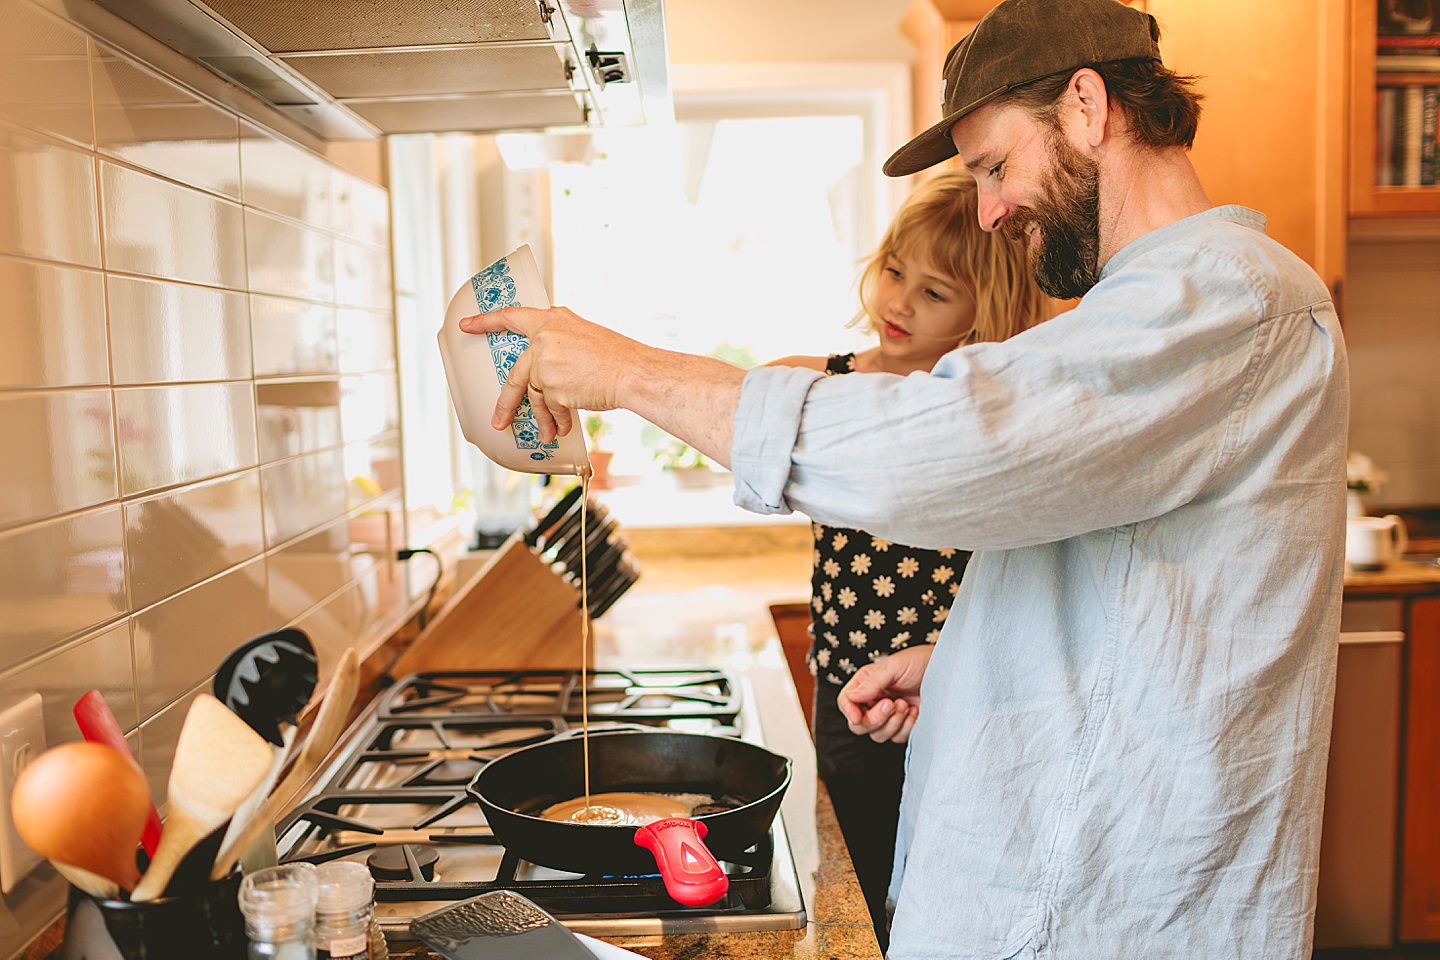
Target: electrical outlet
[[22, 739]]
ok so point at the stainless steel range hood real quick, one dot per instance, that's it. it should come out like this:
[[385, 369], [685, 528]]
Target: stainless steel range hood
[[350, 69]]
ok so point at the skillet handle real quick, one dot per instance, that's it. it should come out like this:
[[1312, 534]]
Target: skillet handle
[[692, 875]]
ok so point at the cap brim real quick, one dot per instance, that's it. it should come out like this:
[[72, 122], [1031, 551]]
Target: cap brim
[[934, 145], [929, 148]]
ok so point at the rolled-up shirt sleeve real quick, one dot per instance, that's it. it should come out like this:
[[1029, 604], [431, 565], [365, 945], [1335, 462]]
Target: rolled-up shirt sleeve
[[766, 425]]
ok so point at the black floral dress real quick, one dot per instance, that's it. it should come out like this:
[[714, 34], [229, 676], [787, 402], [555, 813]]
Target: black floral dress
[[869, 598]]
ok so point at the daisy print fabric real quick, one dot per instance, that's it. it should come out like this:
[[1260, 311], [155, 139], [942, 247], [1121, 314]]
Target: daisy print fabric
[[870, 597]]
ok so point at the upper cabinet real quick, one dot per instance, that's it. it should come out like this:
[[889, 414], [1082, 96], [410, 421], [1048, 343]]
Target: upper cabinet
[[1394, 99], [1272, 134]]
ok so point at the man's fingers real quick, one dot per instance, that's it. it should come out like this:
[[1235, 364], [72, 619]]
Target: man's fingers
[[512, 393], [564, 420], [544, 416], [519, 319]]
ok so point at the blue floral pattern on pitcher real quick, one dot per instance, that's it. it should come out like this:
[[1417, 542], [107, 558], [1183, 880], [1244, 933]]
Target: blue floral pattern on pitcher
[[495, 289]]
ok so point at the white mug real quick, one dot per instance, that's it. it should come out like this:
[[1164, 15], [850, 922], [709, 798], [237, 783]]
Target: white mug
[[1372, 542]]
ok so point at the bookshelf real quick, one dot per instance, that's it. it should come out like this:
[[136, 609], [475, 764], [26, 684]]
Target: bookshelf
[[1389, 160]]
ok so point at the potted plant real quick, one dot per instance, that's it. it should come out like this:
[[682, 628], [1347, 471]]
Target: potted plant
[[1361, 477], [596, 429], [689, 466]]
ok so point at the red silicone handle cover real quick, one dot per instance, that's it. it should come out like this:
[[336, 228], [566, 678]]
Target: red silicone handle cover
[[692, 875], [98, 725]]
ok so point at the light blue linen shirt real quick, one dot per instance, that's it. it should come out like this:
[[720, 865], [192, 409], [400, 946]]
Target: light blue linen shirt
[[1124, 728]]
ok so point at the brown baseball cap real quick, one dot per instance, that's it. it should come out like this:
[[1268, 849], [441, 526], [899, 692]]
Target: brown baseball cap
[[1020, 41]]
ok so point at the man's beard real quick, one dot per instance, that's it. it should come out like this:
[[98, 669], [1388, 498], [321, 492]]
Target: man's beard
[[1065, 256]]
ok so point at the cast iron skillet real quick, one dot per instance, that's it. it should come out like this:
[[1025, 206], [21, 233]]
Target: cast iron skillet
[[746, 781]]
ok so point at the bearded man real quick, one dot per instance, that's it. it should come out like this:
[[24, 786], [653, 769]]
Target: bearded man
[[1126, 718]]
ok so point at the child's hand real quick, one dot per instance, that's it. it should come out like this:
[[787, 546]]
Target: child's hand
[[882, 700]]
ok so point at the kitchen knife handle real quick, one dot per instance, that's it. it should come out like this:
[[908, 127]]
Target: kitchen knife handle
[[98, 725], [691, 873]]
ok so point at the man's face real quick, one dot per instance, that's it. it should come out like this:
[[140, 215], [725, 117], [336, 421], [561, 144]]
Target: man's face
[[1035, 185]]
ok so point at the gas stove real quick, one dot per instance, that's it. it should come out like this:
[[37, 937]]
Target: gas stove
[[393, 797]]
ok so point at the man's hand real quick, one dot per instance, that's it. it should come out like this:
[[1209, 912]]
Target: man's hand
[[570, 364], [883, 698], [573, 364]]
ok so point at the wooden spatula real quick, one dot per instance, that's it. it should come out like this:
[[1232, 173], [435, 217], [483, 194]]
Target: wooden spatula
[[218, 761], [329, 722]]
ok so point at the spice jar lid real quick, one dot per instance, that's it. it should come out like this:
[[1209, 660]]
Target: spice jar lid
[[344, 885]]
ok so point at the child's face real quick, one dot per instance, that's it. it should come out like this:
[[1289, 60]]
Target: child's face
[[922, 313]]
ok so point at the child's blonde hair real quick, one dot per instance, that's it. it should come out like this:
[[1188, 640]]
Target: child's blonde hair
[[938, 225]]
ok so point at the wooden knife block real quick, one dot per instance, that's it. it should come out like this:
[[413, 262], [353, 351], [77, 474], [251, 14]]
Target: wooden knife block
[[514, 613]]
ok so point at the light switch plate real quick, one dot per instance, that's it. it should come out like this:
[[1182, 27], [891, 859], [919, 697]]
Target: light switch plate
[[22, 739]]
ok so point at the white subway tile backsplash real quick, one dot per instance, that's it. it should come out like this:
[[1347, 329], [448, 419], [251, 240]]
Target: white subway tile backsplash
[[59, 454], [362, 275], [296, 416], [59, 579], [31, 172], [292, 337], [373, 468], [181, 642], [1392, 333], [288, 259], [151, 227], [52, 326], [170, 332], [346, 618], [301, 494], [367, 340], [369, 405], [159, 736], [178, 434], [368, 212], [282, 178], [308, 570], [146, 120], [182, 537], [44, 73], [152, 360], [100, 661]]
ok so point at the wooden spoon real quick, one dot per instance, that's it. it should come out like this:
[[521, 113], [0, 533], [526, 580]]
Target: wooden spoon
[[329, 722], [83, 805], [218, 761]]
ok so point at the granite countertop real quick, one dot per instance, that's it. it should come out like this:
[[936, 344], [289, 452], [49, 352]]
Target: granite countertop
[[1399, 579]]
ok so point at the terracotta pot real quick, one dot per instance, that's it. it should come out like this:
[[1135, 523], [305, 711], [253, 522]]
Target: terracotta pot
[[600, 467]]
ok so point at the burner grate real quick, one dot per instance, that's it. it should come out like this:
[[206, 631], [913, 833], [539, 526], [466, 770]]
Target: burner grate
[[646, 693]]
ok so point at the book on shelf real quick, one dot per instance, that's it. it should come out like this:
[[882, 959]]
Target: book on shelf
[[1409, 41], [1407, 124], [1407, 63]]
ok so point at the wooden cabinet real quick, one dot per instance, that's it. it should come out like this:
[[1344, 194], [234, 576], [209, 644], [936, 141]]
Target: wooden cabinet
[[1368, 197], [1420, 783], [1272, 132]]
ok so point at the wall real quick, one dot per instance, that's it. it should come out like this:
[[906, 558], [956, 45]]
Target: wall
[[198, 425], [751, 31], [1392, 330]]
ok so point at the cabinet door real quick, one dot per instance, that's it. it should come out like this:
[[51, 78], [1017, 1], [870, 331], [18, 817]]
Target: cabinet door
[[1420, 839], [1369, 136], [1272, 133]]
